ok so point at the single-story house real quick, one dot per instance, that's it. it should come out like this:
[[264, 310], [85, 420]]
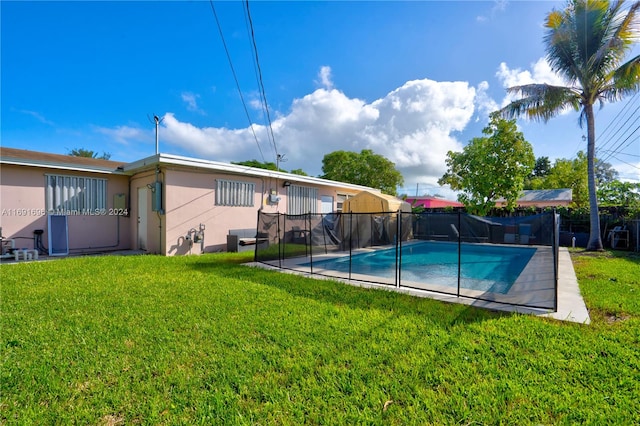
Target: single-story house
[[542, 198], [432, 202], [164, 204]]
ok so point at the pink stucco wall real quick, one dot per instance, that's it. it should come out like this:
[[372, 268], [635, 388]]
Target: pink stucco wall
[[190, 201], [22, 202]]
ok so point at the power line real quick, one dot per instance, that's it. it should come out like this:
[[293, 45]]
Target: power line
[[235, 77], [620, 146], [610, 139], [624, 153], [255, 71], [628, 164], [261, 83], [619, 115]]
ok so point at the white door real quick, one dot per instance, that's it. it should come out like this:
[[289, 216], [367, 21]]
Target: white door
[[142, 217], [327, 204]]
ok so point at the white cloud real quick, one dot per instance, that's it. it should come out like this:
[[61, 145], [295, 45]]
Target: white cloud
[[127, 134], [324, 76], [498, 6], [412, 126], [37, 116], [191, 100], [541, 73], [483, 101], [629, 172], [255, 104]]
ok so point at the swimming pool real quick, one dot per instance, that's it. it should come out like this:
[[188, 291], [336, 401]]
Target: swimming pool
[[483, 267]]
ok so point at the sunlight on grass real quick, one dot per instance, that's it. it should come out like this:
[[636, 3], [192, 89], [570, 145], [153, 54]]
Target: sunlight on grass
[[202, 339]]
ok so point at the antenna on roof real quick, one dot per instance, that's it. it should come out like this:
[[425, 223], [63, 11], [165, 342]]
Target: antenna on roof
[[280, 158], [157, 121]]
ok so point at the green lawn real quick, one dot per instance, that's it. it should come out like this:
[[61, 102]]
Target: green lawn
[[204, 340]]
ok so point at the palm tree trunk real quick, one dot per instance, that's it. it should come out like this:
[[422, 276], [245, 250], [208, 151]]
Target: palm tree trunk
[[595, 241]]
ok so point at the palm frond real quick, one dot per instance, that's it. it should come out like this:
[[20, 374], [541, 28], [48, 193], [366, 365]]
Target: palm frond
[[628, 75], [541, 101], [561, 46], [620, 33]]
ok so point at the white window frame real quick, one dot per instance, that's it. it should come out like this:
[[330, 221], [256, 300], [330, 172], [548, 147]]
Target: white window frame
[[235, 193], [75, 195]]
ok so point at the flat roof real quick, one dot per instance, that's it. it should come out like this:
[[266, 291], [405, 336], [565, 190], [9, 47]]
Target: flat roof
[[25, 157], [198, 163]]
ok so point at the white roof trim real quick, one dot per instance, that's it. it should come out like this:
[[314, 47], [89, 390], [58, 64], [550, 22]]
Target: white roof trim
[[60, 166], [176, 160]]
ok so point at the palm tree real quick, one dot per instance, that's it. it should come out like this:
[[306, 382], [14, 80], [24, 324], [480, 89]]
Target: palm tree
[[586, 44]]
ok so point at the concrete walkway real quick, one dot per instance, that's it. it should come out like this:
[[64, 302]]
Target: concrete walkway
[[571, 306]]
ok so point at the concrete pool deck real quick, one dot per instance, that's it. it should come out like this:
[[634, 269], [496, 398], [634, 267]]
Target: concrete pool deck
[[570, 305]]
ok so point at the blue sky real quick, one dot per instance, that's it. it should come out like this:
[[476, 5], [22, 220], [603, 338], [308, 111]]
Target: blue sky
[[409, 80]]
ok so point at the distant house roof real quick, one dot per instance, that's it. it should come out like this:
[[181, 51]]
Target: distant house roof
[[543, 198], [432, 202]]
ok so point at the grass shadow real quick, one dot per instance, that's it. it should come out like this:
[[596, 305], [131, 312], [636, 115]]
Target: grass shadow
[[338, 293]]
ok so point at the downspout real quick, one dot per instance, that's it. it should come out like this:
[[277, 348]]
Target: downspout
[[159, 212]]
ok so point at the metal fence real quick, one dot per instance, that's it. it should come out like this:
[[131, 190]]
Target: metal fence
[[510, 260]]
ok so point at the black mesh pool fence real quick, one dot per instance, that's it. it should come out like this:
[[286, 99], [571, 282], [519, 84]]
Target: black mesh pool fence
[[508, 260]]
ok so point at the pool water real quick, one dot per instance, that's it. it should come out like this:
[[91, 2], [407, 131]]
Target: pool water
[[484, 267]]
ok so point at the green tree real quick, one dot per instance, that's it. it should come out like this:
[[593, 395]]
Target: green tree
[[617, 193], [365, 168], [258, 164], [490, 167], [542, 167], [568, 173], [540, 170], [298, 172], [605, 172], [81, 152], [586, 43]]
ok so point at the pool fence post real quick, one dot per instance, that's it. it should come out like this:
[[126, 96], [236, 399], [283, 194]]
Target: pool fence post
[[459, 252], [324, 233], [350, 240], [398, 248], [280, 239], [555, 245], [305, 244]]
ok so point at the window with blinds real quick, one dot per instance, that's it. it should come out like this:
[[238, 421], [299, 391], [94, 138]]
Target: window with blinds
[[75, 194], [235, 193], [302, 199]]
